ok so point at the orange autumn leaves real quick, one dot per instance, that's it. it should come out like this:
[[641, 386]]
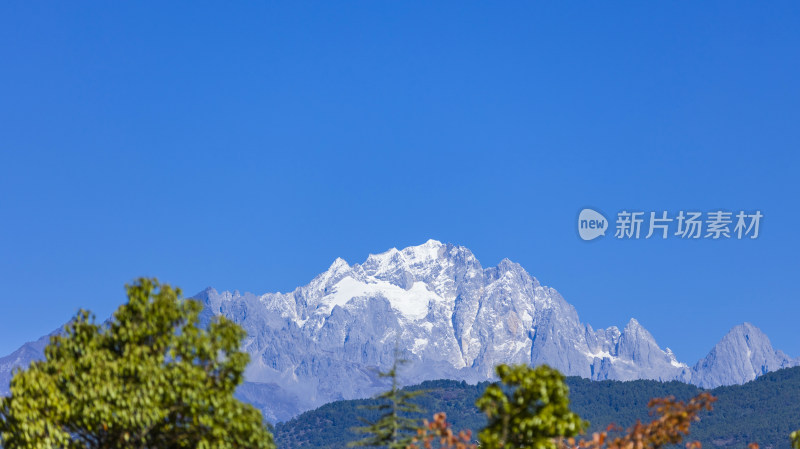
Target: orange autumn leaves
[[670, 427], [672, 424], [439, 431]]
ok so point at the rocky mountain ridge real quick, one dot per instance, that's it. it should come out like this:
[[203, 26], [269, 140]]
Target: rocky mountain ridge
[[452, 319]]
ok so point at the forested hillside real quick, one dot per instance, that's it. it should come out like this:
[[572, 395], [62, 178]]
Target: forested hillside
[[765, 410]]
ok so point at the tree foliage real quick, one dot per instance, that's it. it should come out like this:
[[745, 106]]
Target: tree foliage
[[394, 429], [796, 439], [765, 410], [527, 410], [149, 377], [439, 431], [672, 424]]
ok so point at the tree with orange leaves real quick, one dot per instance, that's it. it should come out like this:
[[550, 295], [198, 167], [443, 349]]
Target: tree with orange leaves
[[672, 423], [670, 427], [439, 431]]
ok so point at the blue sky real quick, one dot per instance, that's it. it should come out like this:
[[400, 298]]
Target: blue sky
[[246, 146]]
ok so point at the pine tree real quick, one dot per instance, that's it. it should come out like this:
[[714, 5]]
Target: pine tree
[[394, 429]]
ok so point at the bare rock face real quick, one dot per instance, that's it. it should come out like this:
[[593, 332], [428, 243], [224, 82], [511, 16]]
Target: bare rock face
[[743, 354], [451, 318]]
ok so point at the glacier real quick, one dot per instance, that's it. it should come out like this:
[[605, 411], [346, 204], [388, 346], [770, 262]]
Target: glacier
[[451, 318]]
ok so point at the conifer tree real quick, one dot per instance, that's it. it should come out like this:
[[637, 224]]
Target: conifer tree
[[394, 429]]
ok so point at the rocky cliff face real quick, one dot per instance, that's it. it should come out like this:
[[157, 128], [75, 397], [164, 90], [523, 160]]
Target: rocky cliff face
[[743, 354], [451, 318]]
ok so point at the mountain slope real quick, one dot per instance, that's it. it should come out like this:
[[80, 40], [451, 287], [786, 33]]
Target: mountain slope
[[742, 355], [21, 358], [452, 319], [765, 410]]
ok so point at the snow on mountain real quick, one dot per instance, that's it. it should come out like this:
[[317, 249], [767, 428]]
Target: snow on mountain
[[452, 318]]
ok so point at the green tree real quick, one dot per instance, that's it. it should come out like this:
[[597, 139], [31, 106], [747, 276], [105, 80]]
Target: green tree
[[393, 429], [796, 439], [149, 377], [528, 410]]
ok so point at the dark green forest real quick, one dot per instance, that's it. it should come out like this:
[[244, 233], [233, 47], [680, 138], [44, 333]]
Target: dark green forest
[[765, 411]]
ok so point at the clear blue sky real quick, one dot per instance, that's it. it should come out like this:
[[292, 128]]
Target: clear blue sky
[[246, 145]]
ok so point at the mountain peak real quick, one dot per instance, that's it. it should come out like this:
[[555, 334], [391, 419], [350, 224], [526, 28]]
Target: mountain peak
[[338, 264], [745, 328], [454, 319], [429, 250], [747, 335], [206, 295], [411, 259], [506, 265], [743, 354], [432, 243], [634, 327]]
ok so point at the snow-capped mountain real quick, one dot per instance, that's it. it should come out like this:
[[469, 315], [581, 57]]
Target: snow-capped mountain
[[452, 318]]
